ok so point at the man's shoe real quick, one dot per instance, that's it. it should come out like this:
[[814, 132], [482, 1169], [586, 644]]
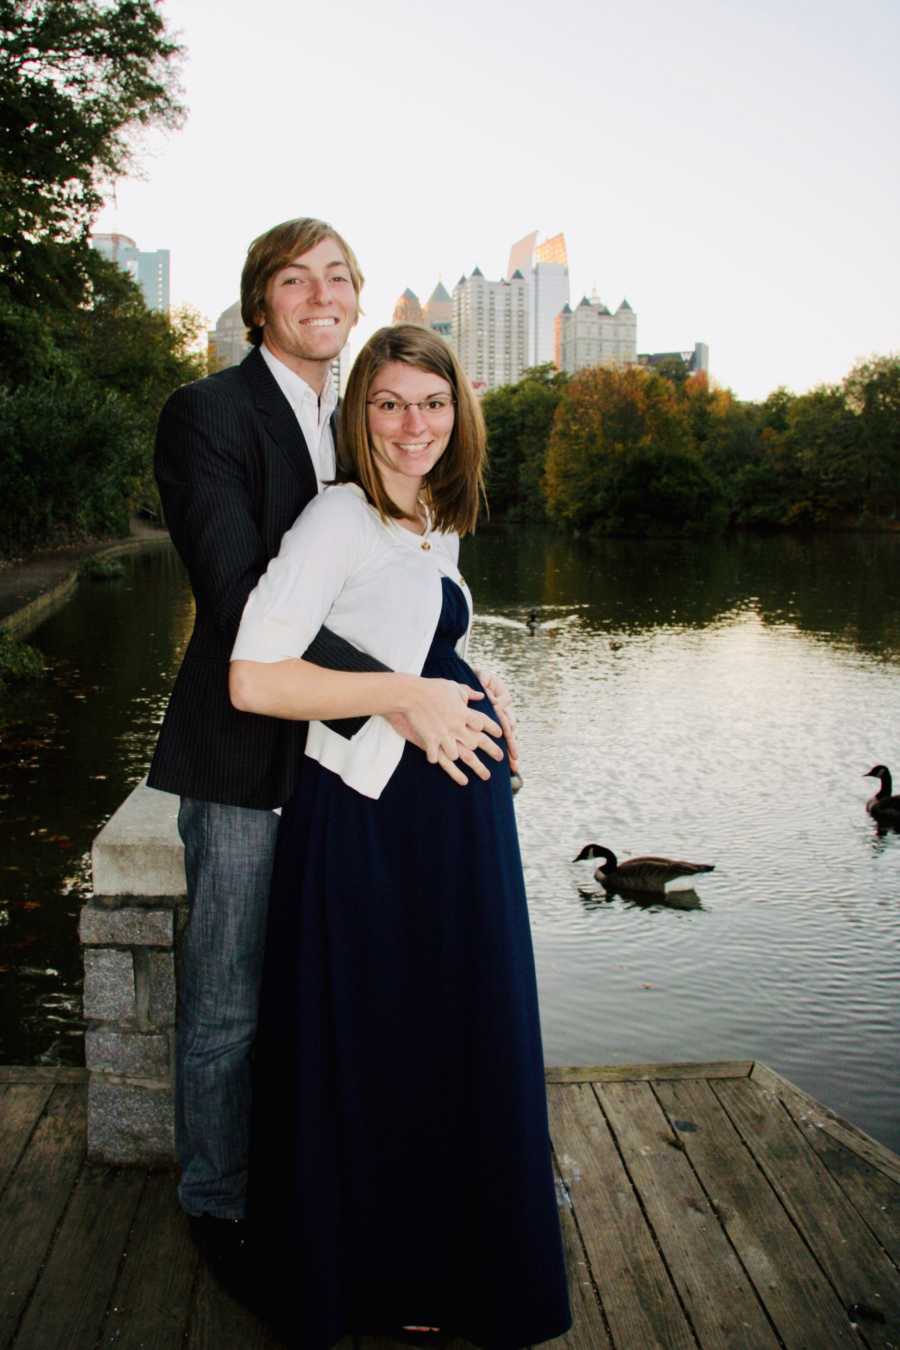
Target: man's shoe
[[224, 1246]]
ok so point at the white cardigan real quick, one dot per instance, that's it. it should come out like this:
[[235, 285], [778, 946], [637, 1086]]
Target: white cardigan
[[375, 584]]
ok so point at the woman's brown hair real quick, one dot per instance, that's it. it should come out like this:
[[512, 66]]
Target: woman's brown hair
[[454, 488], [278, 248]]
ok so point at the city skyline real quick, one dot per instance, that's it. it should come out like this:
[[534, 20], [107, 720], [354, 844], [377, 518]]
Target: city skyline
[[727, 170]]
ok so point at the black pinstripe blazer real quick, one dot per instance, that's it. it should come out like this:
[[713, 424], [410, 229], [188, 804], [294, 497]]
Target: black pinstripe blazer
[[234, 473]]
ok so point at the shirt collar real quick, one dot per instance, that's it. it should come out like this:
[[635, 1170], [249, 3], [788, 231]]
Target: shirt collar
[[295, 388]]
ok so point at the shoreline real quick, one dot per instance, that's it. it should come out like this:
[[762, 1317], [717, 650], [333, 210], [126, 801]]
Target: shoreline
[[33, 588]]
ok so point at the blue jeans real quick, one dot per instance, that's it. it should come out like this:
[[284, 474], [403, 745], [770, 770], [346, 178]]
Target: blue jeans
[[228, 854]]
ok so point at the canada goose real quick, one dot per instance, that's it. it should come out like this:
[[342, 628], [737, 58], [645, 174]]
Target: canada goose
[[643, 875], [883, 806], [532, 623]]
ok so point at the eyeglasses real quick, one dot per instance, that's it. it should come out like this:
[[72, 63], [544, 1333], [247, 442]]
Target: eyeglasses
[[393, 409]]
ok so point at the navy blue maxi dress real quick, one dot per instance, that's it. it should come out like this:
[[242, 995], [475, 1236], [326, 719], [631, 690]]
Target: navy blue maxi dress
[[400, 1166]]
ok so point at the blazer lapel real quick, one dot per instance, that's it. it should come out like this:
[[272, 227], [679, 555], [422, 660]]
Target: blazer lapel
[[278, 418]]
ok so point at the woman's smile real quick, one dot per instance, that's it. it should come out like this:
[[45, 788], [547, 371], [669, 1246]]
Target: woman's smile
[[410, 415]]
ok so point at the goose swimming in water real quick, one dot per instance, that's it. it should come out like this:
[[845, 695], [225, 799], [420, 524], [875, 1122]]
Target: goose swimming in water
[[883, 806], [645, 876]]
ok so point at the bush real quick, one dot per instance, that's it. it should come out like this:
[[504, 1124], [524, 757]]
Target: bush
[[101, 569], [73, 457], [19, 661]]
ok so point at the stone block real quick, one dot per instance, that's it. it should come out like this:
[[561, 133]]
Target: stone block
[[130, 926], [109, 989], [130, 1123], [138, 851], [161, 1005], [127, 1053]]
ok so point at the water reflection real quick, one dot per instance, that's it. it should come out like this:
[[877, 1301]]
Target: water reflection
[[71, 748], [843, 587], [695, 699]]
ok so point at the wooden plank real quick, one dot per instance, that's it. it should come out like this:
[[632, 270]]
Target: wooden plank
[[40, 1073], [874, 1196], [219, 1322], [588, 1330], [719, 1300], [878, 1155], [35, 1198], [638, 1299], [21, 1105], [857, 1265], [626, 1073], [67, 1308], [151, 1301], [790, 1282]]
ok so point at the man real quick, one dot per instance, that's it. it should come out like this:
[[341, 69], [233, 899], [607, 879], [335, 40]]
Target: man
[[238, 455]]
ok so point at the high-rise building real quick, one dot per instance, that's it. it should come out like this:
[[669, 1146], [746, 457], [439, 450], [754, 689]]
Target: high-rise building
[[591, 335], [439, 311], [490, 328], [546, 266], [408, 309], [149, 270]]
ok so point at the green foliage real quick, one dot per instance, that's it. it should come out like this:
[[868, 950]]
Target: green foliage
[[519, 419], [84, 366], [18, 661], [622, 457], [653, 490], [638, 451], [101, 569], [78, 434], [872, 391], [72, 461], [76, 77]]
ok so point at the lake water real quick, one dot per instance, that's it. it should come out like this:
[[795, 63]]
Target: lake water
[[712, 701]]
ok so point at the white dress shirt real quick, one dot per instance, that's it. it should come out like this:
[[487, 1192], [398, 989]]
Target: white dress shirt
[[313, 412], [375, 584]]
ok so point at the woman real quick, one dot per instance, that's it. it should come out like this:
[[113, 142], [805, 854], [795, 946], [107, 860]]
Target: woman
[[400, 1171]]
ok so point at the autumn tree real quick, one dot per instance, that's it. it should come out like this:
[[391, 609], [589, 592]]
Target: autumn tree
[[622, 458]]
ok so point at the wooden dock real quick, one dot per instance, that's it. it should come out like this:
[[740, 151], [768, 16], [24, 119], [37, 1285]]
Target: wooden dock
[[703, 1205]]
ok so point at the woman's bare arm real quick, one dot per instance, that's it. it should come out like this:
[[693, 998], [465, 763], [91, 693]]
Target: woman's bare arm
[[437, 712]]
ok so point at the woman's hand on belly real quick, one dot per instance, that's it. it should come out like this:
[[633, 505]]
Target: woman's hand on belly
[[438, 719]]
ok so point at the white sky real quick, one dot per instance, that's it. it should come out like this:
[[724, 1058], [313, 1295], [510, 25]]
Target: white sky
[[730, 167]]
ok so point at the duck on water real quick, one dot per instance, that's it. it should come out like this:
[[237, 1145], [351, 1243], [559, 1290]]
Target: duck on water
[[643, 876], [883, 807]]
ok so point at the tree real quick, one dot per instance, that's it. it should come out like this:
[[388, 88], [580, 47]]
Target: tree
[[872, 389], [84, 366], [77, 423], [673, 369], [519, 419], [622, 458], [76, 78]]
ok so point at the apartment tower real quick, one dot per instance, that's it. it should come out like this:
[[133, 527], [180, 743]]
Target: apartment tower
[[546, 266], [490, 328]]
